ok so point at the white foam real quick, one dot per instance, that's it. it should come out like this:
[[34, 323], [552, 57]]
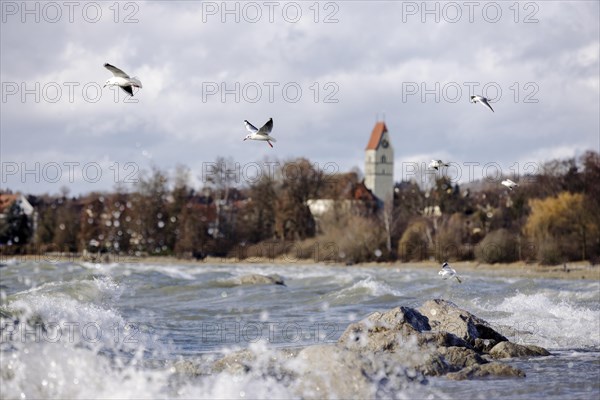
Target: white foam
[[82, 350], [52, 370], [100, 287], [11, 262], [546, 319], [175, 272], [259, 383], [101, 268], [368, 286], [185, 272]]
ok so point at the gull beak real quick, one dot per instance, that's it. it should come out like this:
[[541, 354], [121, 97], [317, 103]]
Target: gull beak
[[245, 139]]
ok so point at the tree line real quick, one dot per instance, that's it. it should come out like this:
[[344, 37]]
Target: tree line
[[551, 218]]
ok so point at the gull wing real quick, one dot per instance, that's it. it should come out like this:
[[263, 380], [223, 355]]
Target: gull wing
[[266, 128], [127, 89], [484, 102], [116, 71], [251, 128]]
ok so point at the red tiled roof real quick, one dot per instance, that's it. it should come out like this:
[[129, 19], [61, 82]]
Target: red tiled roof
[[361, 192], [376, 135]]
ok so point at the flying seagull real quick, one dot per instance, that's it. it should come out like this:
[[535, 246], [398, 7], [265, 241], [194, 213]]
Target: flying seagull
[[448, 272], [482, 100], [509, 184], [435, 164], [121, 79], [262, 133]]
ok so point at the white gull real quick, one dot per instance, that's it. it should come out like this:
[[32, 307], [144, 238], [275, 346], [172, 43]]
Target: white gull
[[448, 272], [262, 133], [121, 79], [482, 100]]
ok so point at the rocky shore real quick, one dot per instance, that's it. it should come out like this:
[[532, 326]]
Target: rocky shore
[[383, 353]]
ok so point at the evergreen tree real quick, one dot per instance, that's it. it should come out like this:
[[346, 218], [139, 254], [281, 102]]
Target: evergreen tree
[[17, 227]]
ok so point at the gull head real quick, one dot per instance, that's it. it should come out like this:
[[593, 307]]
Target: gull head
[[136, 82]]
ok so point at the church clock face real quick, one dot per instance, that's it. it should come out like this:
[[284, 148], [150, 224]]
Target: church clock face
[[385, 143]]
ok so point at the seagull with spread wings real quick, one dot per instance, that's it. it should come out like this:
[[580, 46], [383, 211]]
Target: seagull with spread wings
[[448, 272], [509, 184], [121, 79], [436, 164], [260, 134], [482, 100]]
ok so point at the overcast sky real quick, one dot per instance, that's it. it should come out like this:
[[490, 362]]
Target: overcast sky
[[324, 71]]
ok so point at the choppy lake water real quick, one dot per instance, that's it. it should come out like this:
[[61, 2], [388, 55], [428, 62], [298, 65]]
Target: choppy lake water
[[115, 330]]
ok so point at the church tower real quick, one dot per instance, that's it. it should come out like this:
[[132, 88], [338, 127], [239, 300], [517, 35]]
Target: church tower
[[379, 163]]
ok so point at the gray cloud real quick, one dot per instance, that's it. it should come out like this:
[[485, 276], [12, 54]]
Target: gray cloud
[[370, 57]]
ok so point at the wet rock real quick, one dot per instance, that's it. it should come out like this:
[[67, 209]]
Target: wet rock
[[258, 279], [403, 332], [330, 371], [333, 371], [446, 316], [441, 339], [511, 350], [235, 363], [437, 339], [429, 364], [391, 330], [484, 345], [376, 356], [460, 357], [491, 370], [384, 331], [244, 361], [188, 368]]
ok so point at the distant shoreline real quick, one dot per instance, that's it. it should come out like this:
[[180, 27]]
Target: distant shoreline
[[570, 270]]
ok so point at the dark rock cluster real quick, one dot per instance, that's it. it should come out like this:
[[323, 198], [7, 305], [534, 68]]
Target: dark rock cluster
[[387, 352]]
